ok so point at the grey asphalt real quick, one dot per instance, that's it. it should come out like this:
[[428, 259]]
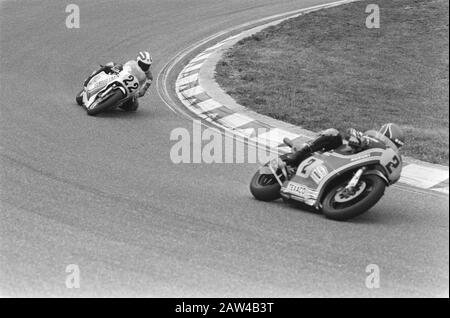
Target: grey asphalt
[[102, 193]]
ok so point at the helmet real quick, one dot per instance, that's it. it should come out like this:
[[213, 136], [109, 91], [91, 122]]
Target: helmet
[[394, 133], [144, 60]]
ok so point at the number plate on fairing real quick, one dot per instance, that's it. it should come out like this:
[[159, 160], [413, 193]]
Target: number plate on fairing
[[313, 168], [296, 189], [310, 174]]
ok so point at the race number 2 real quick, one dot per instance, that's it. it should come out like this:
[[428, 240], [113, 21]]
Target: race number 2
[[395, 162], [305, 172], [307, 166]]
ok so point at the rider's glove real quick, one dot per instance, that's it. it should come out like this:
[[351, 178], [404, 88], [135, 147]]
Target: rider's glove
[[117, 68], [141, 93], [354, 141], [355, 137], [144, 88]]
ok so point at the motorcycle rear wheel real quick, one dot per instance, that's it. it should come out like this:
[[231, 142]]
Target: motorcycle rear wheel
[[107, 102], [373, 190]]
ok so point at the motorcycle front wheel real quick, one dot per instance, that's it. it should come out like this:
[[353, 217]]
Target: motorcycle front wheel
[[107, 102], [339, 205], [264, 187]]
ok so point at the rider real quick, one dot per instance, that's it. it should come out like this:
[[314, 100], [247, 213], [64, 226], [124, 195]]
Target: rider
[[140, 68], [330, 139]]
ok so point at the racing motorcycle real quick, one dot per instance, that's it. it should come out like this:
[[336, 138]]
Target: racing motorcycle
[[340, 183], [107, 91]]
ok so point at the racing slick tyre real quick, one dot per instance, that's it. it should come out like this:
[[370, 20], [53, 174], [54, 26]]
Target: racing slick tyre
[[79, 99], [340, 206], [265, 187], [104, 103]]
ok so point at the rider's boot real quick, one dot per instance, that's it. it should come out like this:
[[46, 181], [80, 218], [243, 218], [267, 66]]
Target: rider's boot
[[322, 143], [297, 157]]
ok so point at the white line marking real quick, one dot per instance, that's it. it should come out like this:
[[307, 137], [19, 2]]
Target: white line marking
[[274, 137], [214, 47], [190, 68], [202, 56], [236, 120], [409, 189], [442, 190], [422, 177], [187, 79], [209, 105], [248, 132], [193, 91]]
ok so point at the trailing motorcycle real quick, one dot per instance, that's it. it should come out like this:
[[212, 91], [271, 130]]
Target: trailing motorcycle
[[340, 183]]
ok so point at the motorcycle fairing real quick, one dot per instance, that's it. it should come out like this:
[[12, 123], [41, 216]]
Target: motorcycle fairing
[[98, 82], [315, 172], [127, 83]]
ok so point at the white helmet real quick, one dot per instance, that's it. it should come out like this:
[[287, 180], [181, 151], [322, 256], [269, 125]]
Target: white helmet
[[144, 60]]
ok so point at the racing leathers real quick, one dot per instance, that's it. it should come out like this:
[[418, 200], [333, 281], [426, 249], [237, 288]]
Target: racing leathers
[[331, 139], [145, 80]]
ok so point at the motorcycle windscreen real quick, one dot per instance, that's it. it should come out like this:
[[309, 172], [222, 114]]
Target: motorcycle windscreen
[[98, 82]]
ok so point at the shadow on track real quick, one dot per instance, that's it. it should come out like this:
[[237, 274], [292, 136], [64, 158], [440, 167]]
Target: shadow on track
[[373, 216], [117, 113]]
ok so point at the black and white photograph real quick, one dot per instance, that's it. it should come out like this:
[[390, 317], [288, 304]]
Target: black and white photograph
[[224, 155]]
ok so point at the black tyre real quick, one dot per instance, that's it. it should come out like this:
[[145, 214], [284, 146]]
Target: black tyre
[[107, 102], [265, 187], [340, 206], [79, 99]]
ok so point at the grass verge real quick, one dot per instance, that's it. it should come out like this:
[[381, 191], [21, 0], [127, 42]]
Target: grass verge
[[326, 69]]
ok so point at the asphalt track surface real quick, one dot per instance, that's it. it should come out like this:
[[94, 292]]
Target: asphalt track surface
[[103, 193]]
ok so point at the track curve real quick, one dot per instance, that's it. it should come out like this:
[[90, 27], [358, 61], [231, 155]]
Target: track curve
[[103, 193]]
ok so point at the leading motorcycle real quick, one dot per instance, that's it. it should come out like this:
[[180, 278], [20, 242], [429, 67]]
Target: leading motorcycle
[[340, 183]]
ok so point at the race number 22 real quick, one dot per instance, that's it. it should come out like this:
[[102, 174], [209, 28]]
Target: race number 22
[[393, 164], [131, 83]]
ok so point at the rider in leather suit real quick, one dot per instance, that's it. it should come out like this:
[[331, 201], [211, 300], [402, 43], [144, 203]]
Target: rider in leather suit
[[331, 139], [140, 68]]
